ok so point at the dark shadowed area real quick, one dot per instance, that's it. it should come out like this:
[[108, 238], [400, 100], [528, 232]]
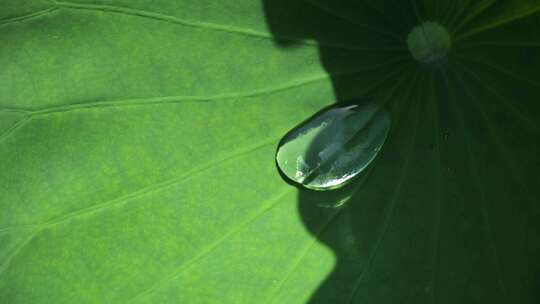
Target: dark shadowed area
[[429, 221]]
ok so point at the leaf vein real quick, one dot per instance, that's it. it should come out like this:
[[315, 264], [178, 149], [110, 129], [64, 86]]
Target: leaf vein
[[5, 264], [210, 248], [336, 15], [209, 98], [316, 236], [300, 257], [146, 190], [503, 99], [230, 29], [117, 202], [438, 204], [33, 15], [390, 211], [498, 23], [4, 135], [479, 185]]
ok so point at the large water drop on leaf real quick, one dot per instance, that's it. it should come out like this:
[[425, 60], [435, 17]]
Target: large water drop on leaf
[[334, 146]]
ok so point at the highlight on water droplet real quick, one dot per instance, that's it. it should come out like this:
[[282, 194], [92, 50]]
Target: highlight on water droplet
[[334, 146]]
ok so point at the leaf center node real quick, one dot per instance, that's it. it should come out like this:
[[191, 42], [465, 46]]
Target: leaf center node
[[429, 42]]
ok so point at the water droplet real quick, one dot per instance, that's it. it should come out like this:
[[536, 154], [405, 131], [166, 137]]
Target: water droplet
[[334, 146]]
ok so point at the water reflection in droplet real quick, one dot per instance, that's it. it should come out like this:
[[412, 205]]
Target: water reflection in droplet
[[333, 147]]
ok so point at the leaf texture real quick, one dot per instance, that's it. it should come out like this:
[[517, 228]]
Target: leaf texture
[[137, 143]]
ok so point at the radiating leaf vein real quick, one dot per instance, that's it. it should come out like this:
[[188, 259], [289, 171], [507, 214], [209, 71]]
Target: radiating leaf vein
[[498, 23], [15, 127], [354, 23], [149, 189], [126, 198], [477, 180], [230, 29], [390, 210], [210, 248], [438, 204], [503, 99], [300, 257], [28, 16]]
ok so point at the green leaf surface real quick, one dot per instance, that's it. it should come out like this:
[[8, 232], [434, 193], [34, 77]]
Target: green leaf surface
[[137, 145]]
